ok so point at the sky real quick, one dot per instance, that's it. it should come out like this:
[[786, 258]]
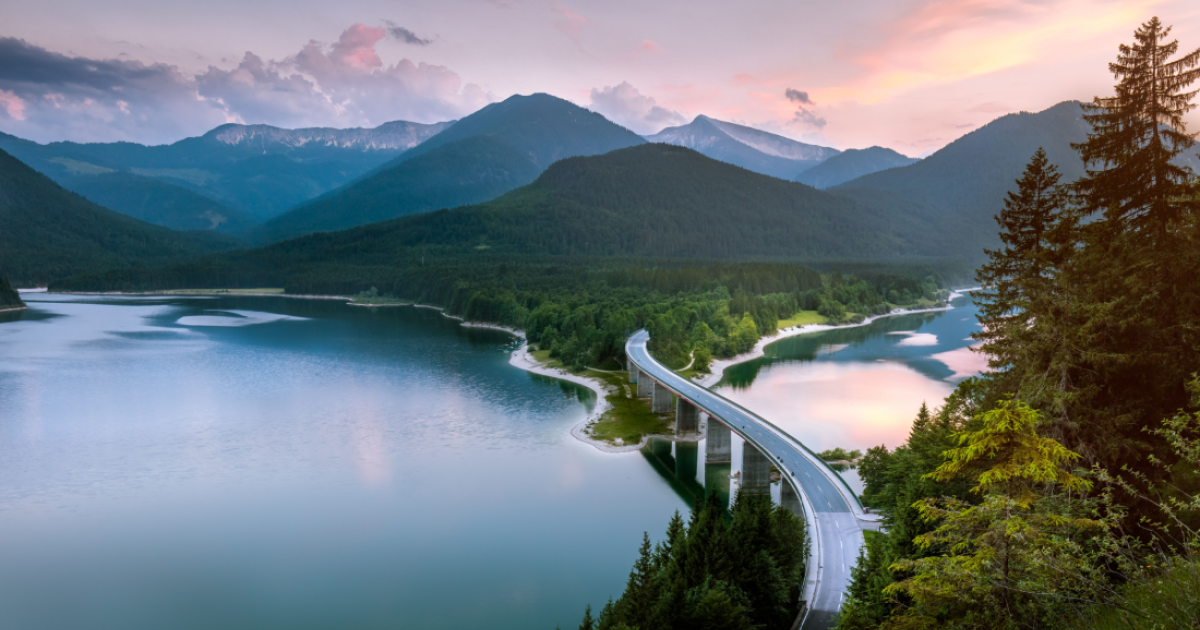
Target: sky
[[911, 75]]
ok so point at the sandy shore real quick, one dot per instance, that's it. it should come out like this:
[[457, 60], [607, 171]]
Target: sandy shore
[[15, 308]]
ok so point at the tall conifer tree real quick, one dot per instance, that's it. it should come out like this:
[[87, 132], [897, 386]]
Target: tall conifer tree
[[1018, 280], [1136, 134]]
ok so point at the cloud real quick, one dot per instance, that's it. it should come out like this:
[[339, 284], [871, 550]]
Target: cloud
[[625, 105], [50, 96], [402, 34], [796, 96], [805, 117], [13, 105]]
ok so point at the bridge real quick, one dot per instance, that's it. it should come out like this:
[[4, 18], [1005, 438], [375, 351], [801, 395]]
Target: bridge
[[809, 487]]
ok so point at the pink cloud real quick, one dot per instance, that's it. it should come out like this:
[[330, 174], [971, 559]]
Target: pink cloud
[[13, 105], [356, 47]]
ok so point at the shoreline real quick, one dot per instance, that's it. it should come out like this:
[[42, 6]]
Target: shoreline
[[719, 366], [220, 293], [14, 308], [523, 360]]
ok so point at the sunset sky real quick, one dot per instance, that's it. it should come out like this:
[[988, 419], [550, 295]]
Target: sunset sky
[[911, 75]]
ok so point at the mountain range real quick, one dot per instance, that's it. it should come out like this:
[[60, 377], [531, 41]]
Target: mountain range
[[538, 176], [501, 147], [252, 172]]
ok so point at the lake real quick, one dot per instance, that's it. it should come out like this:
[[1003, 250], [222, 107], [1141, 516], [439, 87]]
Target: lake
[[254, 462]]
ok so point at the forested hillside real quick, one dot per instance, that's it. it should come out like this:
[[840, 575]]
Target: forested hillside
[[47, 232], [157, 202], [1059, 490], [959, 187], [494, 150], [9, 298], [454, 174], [648, 201]]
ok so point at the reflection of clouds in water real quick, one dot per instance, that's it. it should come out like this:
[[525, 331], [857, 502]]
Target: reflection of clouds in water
[[914, 338], [852, 405], [236, 318], [964, 362]]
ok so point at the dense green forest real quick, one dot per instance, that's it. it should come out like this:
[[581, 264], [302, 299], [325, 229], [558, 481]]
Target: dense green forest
[[47, 232], [9, 298], [734, 570], [1060, 489], [158, 202], [580, 309]]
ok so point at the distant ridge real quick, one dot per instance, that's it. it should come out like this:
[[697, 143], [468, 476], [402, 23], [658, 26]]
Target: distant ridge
[[501, 147], [254, 171], [851, 164], [397, 135], [749, 148]]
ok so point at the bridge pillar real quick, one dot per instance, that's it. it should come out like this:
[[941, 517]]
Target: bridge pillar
[[662, 399], [633, 371], [717, 447], [789, 499], [687, 418], [645, 384], [756, 470]]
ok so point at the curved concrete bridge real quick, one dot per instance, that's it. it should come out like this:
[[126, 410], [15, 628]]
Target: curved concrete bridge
[[809, 488]]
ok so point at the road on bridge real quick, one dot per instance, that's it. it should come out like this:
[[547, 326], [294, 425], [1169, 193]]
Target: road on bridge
[[839, 519]]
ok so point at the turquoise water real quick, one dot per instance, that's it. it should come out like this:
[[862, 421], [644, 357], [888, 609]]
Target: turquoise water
[[271, 463], [859, 387]]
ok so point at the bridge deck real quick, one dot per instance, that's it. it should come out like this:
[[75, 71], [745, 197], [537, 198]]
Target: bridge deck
[[838, 531]]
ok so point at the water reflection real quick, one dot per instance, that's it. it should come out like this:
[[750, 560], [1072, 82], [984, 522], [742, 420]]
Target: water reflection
[[859, 387], [324, 466]]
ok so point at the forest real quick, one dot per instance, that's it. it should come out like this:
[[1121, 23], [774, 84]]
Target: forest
[[9, 298], [1060, 488], [739, 568]]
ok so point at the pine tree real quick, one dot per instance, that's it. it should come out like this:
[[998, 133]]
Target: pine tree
[[1018, 280], [1137, 132], [588, 623], [1006, 561]]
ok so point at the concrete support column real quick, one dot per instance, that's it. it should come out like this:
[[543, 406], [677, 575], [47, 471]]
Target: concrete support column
[[789, 499], [633, 371], [717, 447], [756, 470], [662, 399], [687, 418], [645, 385]]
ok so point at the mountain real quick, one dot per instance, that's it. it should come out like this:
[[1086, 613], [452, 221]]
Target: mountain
[[963, 185], [653, 201], [255, 171], [9, 298], [47, 232], [398, 135], [851, 164], [746, 147], [490, 152]]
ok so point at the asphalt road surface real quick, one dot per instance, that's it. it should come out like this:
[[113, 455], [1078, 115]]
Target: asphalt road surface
[[838, 530]]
